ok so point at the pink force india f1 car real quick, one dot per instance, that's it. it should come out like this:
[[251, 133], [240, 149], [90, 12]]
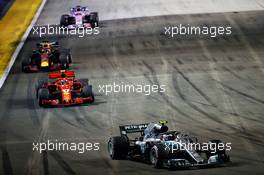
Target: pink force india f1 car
[[80, 17]]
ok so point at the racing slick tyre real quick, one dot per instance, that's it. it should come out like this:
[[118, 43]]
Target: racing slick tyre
[[25, 64], [43, 94], [118, 147], [88, 92], [71, 20], [214, 150], [157, 155], [64, 21], [40, 84], [55, 57], [84, 82], [94, 19], [69, 58], [64, 61], [67, 53]]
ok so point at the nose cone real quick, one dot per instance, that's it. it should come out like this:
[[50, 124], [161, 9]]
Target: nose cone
[[44, 64], [66, 96]]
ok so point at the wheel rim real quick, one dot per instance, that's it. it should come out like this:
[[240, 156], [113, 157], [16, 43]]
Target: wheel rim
[[153, 157], [110, 148]]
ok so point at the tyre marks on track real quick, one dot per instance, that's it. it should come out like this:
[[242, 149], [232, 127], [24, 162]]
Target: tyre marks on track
[[62, 163], [6, 160], [246, 43], [7, 166], [154, 80], [194, 86], [33, 114], [34, 161], [9, 98], [186, 101], [45, 161], [242, 93], [65, 120], [239, 125]]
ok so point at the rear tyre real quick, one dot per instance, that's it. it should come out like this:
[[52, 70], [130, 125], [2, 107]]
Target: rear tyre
[[43, 94], [25, 64], [118, 147], [40, 84]]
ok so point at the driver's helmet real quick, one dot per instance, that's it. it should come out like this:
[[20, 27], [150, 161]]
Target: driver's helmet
[[163, 126], [78, 8], [64, 82], [45, 45], [163, 122], [63, 75]]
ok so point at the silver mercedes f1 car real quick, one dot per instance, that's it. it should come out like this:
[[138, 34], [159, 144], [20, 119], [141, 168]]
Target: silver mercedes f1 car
[[165, 149]]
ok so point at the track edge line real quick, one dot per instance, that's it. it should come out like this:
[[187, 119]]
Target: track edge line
[[21, 44]]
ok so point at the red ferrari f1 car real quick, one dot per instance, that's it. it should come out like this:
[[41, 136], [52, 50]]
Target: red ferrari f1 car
[[62, 89]]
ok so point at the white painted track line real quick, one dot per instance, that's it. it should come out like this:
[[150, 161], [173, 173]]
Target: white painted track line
[[20, 45]]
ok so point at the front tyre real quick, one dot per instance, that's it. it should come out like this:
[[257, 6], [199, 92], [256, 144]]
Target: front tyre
[[157, 155], [88, 92], [64, 21], [25, 63], [43, 94], [214, 150], [84, 81], [94, 19], [67, 53], [64, 62], [40, 84]]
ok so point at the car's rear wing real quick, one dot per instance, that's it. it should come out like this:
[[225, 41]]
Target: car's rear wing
[[61, 74], [127, 129], [53, 44]]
